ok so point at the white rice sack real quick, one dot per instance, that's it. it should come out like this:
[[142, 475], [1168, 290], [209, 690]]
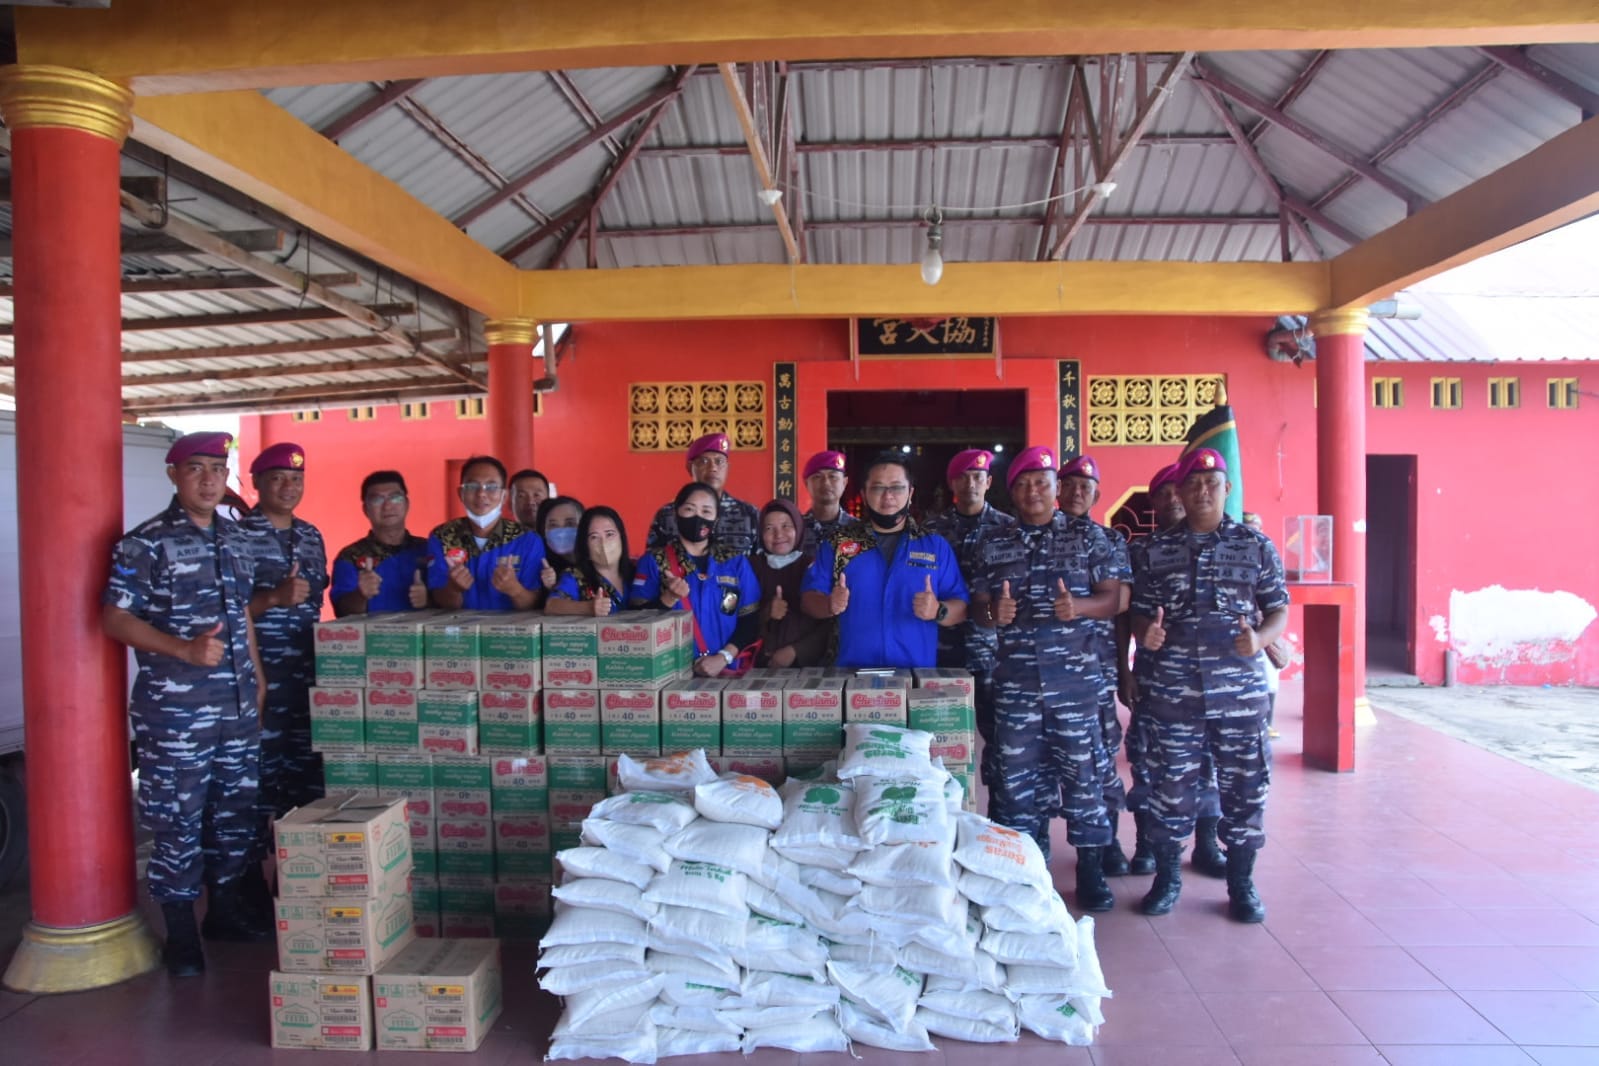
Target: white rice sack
[[878, 750], [820, 1033], [1090, 977], [871, 952], [977, 970], [582, 1006], [590, 977], [988, 892], [923, 904], [764, 902], [928, 863], [954, 792], [818, 814], [844, 919], [624, 955], [640, 843], [624, 1034], [818, 857], [781, 947], [762, 989], [600, 862], [949, 996], [888, 995], [1046, 912], [665, 811], [740, 798], [834, 881], [713, 968], [901, 810], [1033, 979], [695, 1019], [742, 847], [960, 942], [766, 1017], [815, 906], [1054, 947], [940, 1024], [703, 885], [1003, 854], [601, 894], [671, 1043], [678, 772], [584, 925], [1055, 1018], [691, 931], [692, 990], [862, 1028]]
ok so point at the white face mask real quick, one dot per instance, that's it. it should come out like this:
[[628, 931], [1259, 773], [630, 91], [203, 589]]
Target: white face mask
[[609, 553], [484, 521], [777, 562]]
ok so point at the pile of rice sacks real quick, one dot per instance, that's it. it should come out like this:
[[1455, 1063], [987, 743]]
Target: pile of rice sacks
[[706, 914]]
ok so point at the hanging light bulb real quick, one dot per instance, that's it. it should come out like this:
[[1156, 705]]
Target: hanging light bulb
[[933, 258]]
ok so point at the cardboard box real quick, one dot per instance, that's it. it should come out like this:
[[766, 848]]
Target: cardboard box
[[343, 844], [522, 907], [945, 678], [509, 722], [393, 673], [338, 718], [511, 675], [439, 995], [340, 653], [466, 894], [391, 722], [522, 845], [570, 672], [940, 710], [349, 771], [638, 649], [565, 835], [448, 739], [583, 772], [466, 846], [321, 1011], [463, 786], [691, 715], [875, 698], [450, 648], [752, 718], [958, 748], [424, 846], [353, 936], [447, 706], [630, 721], [468, 926], [570, 637], [569, 806], [429, 924], [521, 784], [411, 776], [425, 905], [572, 721], [813, 717], [510, 645]]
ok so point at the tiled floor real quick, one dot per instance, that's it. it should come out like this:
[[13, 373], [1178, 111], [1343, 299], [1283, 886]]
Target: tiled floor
[[1439, 906]]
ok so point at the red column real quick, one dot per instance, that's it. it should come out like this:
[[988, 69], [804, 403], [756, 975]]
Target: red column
[[1341, 455], [67, 128], [511, 389]]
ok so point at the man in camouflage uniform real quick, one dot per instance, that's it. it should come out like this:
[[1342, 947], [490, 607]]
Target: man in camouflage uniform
[[738, 524], [969, 646], [1079, 491], [1041, 582], [825, 481], [291, 577], [1211, 595], [179, 596]]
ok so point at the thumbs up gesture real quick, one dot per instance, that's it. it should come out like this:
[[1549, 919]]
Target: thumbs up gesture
[[293, 589], [419, 590], [602, 604], [505, 579], [1004, 606], [925, 605], [369, 580], [204, 649], [1155, 633], [546, 573], [838, 599], [1065, 606], [1247, 643], [779, 609], [673, 588]]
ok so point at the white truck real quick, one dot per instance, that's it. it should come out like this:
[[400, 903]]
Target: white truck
[[145, 491]]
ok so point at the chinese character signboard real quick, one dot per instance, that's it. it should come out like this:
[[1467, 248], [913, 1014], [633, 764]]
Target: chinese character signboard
[[1070, 380], [785, 431], [957, 337]]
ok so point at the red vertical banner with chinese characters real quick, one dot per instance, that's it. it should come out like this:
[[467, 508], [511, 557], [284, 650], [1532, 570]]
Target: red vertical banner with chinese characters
[[785, 432], [1070, 380]]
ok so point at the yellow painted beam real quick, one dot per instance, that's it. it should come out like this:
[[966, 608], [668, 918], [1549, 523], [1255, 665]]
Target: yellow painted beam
[[174, 46], [1555, 183], [250, 143], [765, 291]]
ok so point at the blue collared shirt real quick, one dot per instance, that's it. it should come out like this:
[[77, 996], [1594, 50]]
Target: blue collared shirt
[[508, 540]]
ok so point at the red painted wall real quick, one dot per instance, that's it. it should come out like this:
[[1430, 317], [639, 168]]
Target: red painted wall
[[1468, 537]]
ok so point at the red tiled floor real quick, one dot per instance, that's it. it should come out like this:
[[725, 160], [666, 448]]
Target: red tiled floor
[[1112, 1055], [1279, 1018], [1416, 1018], [1475, 968], [1453, 1055], [1561, 1018], [1165, 1019], [1308, 1055], [1365, 968], [1436, 925], [1580, 966], [1541, 927], [1561, 1056]]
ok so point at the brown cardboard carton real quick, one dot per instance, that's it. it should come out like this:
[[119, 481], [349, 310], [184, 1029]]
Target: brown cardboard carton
[[350, 936], [447, 739], [522, 907], [342, 845], [520, 784], [813, 716], [875, 698], [691, 715], [630, 721], [321, 1011], [466, 846], [522, 845], [752, 718], [946, 677], [572, 721], [391, 720], [508, 722], [338, 719], [438, 995]]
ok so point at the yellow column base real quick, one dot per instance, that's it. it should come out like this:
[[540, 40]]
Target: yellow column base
[[91, 956], [1363, 715]]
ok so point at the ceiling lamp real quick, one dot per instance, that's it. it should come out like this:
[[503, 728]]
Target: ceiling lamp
[[933, 257]]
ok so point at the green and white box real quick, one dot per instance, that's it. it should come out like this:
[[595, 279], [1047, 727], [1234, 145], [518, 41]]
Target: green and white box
[[508, 721], [572, 721], [391, 720], [752, 718], [521, 784], [338, 719], [630, 721], [691, 715]]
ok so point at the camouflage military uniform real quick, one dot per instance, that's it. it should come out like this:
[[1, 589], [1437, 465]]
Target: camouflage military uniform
[[291, 773], [817, 531], [197, 730], [1199, 691], [1046, 680], [969, 646], [738, 526], [1109, 724]]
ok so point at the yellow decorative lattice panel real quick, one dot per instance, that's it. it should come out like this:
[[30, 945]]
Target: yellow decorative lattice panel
[[665, 416], [1149, 409]]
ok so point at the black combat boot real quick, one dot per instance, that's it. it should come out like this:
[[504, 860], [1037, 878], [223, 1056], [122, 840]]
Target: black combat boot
[[1208, 858], [1093, 894], [1143, 860], [1243, 902], [182, 952], [229, 917], [1168, 884], [1114, 862], [257, 893]]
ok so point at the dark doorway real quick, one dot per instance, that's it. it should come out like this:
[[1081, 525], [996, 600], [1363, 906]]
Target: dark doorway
[[1390, 566], [927, 428]]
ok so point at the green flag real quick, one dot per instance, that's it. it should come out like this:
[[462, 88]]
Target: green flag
[[1219, 431]]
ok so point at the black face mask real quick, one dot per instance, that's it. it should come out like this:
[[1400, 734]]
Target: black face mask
[[693, 528], [885, 521]]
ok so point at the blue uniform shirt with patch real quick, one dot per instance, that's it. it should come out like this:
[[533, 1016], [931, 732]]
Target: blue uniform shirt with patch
[[880, 627], [508, 540], [571, 587], [721, 588], [396, 564]]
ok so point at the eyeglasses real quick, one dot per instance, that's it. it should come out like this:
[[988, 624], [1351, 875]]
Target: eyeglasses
[[379, 501], [897, 489], [472, 488]]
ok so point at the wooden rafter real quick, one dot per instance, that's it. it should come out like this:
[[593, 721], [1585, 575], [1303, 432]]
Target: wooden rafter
[[264, 401], [282, 370], [253, 351], [768, 179]]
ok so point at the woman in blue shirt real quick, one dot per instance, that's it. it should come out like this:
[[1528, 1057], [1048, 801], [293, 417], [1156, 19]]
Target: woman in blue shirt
[[602, 570], [714, 583]]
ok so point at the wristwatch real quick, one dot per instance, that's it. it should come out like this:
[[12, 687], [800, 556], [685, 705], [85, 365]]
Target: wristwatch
[[943, 613], [729, 656]]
